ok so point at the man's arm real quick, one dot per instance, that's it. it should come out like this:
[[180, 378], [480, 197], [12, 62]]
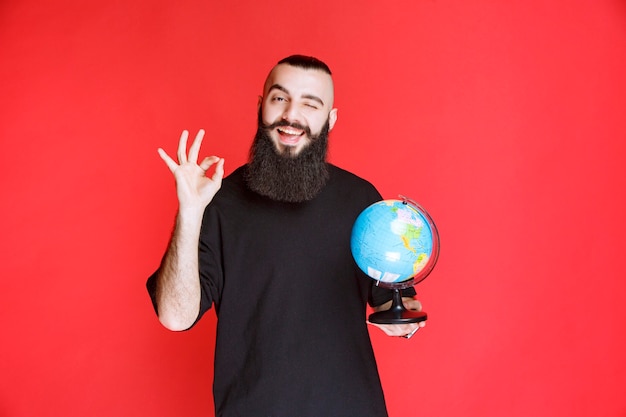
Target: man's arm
[[178, 283]]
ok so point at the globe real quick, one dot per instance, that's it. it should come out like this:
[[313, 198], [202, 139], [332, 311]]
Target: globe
[[395, 242]]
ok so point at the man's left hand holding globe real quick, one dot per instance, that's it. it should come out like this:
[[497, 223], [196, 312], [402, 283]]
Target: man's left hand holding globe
[[401, 330]]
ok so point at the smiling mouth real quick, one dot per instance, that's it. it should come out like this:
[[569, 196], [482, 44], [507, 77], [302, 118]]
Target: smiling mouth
[[289, 136]]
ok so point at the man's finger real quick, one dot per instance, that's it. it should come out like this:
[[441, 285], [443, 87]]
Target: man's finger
[[208, 161], [412, 304], [219, 171], [182, 147], [171, 164], [194, 150]]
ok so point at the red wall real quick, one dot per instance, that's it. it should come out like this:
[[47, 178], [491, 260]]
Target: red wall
[[506, 120]]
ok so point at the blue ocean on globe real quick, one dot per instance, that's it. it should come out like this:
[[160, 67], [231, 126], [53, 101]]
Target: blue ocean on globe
[[391, 241]]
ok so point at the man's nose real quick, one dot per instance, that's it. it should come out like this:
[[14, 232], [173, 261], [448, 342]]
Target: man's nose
[[291, 114]]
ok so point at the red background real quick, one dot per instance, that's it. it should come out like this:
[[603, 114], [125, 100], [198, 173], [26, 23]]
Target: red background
[[506, 120]]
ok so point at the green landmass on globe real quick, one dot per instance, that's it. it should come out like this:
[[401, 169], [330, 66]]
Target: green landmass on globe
[[392, 241]]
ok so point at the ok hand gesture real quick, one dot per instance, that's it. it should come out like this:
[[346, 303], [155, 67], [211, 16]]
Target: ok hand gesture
[[194, 189]]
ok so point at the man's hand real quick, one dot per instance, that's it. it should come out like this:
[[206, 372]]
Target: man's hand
[[401, 330], [194, 189]]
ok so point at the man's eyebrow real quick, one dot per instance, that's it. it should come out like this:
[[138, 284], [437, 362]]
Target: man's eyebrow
[[307, 96], [314, 98], [278, 87]]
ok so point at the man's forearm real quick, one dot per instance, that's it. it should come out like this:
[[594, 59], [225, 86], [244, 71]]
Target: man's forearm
[[178, 283]]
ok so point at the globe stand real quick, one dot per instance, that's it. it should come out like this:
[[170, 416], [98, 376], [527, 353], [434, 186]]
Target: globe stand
[[397, 313]]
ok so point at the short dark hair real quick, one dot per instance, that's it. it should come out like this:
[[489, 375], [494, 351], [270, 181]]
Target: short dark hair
[[305, 62]]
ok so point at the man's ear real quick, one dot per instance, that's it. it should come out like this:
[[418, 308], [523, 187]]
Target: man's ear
[[258, 104], [332, 118]]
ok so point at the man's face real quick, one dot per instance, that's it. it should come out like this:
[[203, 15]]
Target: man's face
[[296, 104]]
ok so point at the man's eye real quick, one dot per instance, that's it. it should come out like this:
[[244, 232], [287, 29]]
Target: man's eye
[[310, 105], [278, 99]]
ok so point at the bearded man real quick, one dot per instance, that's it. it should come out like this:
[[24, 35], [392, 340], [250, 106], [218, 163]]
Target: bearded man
[[269, 247]]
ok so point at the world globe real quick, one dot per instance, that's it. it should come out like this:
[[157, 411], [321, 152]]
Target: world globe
[[395, 242]]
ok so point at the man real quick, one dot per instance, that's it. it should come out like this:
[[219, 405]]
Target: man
[[269, 246]]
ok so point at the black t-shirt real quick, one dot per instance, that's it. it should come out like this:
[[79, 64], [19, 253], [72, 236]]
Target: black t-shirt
[[291, 336]]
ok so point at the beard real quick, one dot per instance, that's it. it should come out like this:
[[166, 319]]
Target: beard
[[285, 176]]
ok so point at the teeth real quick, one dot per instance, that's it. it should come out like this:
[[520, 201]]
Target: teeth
[[290, 131]]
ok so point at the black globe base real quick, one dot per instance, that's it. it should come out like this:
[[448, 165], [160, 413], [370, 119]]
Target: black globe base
[[397, 313]]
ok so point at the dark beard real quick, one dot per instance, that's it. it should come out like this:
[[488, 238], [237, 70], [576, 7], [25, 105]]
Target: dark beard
[[289, 178]]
